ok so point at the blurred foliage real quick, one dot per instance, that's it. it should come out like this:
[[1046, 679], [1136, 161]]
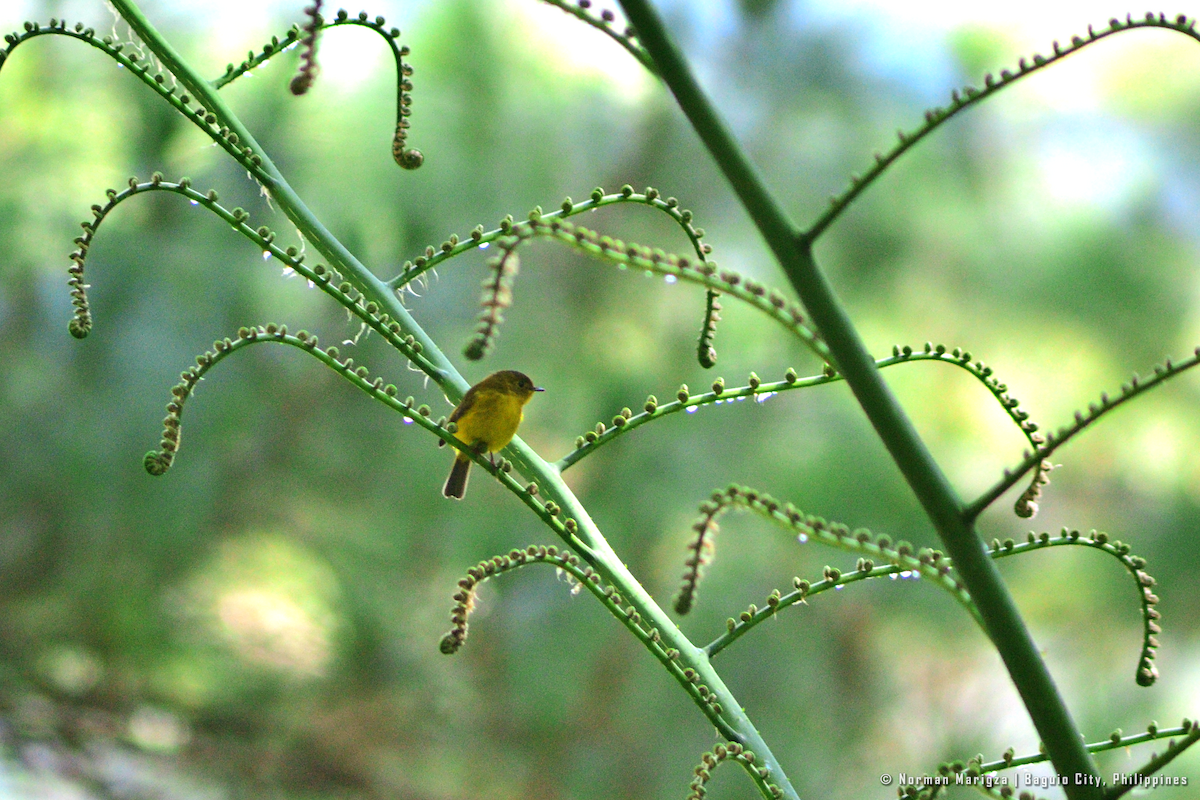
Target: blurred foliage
[[264, 620]]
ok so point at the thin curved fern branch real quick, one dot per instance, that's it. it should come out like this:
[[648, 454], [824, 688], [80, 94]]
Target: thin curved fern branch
[[254, 60], [405, 157], [161, 81], [497, 296], [1190, 729], [1157, 762], [624, 422], [309, 68], [604, 24], [731, 752], [1032, 460], [970, 96], [608, 596], [328, 281], [158, 462], [453, 246], [706, 353], [1147, 673], [975, 772], [675, 268], [931, 564], [776, 601], [59, 27]]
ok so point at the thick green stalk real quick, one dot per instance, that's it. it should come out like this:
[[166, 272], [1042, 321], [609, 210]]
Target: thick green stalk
[[1004, 624], [532, 465]]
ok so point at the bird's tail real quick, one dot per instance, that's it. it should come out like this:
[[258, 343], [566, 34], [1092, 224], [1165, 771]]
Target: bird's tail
[[456, 484]]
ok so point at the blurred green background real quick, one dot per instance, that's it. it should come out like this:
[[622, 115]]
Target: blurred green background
[[263, 621]]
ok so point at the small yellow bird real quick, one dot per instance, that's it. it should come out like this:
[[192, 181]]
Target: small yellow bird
[[487, 420]]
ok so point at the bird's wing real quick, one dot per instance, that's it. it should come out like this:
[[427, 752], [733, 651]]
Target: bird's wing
[[464, 405]]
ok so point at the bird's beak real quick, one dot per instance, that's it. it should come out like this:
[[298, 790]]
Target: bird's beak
[[538, 389]]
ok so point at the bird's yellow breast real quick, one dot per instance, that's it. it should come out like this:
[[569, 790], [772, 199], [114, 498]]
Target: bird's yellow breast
[[492, 419]]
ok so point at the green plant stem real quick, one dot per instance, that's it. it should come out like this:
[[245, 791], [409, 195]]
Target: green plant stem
[[741, 392], [412, 272], [1095, 747], [1155, 764], [1064, 434], [546, 475], [1004, 624], [971, 96], [793, 597]]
